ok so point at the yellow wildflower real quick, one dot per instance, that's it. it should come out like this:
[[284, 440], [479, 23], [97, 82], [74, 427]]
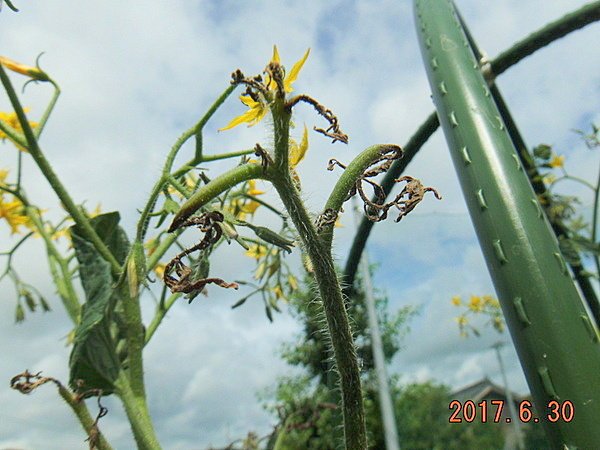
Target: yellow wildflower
[[557, 161], [475, 304], [14, 214], [298, 151], [257, 251], [259, 106], [255, 114], [252, 190], [159, 270], [491, 301], [249, 207], [278, 292], [456, 300], [12, 121], [291, 77], [32, 72]]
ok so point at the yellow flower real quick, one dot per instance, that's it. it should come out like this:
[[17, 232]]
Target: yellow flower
[[476, 304], [255, 114], [29, 71], [259, 106], [456, 300], [549, 178], [291, 77], [491, 301], [14, 214], [159, 270], [557, 161], [278, 292], [462, 321], [252, 190], [298, 151], [249, 207], [257, 251], [12, 121]]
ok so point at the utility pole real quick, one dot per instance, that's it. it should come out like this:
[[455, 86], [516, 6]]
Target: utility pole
[[385, 398], [509, 397]]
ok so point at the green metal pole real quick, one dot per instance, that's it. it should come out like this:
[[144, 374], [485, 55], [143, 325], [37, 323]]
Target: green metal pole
[[555, 339]]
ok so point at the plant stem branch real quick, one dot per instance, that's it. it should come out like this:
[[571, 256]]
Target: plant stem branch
[[41, 161], [136, 409], [329, 288], [83, 415]]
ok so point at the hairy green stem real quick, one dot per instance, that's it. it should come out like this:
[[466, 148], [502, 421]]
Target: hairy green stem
[[135, 340], [136, 409], [329, 288], [48, 111], [61, 277], [41, 161], [216, 186], [348, 180], [83, 415]]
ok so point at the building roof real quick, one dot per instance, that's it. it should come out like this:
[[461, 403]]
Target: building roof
[[481, 389]]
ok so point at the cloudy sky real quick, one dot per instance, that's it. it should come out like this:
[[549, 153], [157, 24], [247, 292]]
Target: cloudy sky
[[135, 74]]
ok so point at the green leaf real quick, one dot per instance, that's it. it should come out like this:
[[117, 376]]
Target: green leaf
[[93, 358]]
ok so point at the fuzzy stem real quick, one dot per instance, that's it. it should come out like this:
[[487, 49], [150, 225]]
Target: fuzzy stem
[[211, 190], [41, 161], [136, 409], [348, 179], [329, 288], [83, 415]]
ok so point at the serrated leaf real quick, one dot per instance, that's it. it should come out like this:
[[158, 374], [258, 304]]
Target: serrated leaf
[[93, 358]]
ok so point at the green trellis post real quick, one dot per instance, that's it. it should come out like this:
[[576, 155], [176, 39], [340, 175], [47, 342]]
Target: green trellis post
[[557, 342]]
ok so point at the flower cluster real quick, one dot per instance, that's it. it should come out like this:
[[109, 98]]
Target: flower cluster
[[485, 305]]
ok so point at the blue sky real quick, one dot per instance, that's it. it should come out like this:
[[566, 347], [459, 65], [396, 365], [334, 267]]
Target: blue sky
[[136, 74]]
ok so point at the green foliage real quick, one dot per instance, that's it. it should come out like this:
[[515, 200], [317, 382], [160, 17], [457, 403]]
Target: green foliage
[[94, 363], [312, 349], [422, 414]]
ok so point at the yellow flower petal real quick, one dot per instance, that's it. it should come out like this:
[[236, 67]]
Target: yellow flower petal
[[557, 161], [29, 71], [13, 213], [275, 57], [456, 300], [250, 207], [252, 190], [257, 251], [293, 75], [297, 152], [254, 115]]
